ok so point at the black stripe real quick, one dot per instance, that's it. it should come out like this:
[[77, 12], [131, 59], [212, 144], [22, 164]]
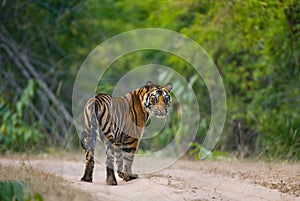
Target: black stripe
[[119, 156], [117, 113], [128, 158], [96, 108], [106, 98], [128, 143], [147, 100], [107, 132], [128, 150], [88, 120], [97, 98], [102, 115], [135, 115], [105, 125], [140, 91], [125, 97]]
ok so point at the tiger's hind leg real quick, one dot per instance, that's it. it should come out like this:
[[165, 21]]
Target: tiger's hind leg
[[89, 167], [88, 141], [110, 174], [89, 162]]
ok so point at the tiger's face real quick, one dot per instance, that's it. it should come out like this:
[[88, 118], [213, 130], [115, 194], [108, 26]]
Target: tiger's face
[[157, 99]]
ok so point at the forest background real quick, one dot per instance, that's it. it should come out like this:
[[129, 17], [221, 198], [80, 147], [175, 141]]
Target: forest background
[[254, 44]]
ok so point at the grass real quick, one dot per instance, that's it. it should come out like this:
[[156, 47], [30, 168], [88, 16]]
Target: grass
[[49, 186]]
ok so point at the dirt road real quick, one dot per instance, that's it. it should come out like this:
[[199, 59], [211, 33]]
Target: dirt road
[[185, 180]]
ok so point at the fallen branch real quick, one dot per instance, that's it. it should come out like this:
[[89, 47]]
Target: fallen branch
[[26, 66]]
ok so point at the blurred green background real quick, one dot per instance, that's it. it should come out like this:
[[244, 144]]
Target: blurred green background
[[255, 45]]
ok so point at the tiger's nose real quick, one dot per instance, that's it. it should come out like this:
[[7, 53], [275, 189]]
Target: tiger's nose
[[163, 110]]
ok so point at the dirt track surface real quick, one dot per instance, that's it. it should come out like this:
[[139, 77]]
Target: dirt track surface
[[185, 180]]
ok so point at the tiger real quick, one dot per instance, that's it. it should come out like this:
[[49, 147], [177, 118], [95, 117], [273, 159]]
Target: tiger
[[119, 122]]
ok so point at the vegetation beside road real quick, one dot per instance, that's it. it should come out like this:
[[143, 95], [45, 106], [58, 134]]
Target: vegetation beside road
[[255, 45]]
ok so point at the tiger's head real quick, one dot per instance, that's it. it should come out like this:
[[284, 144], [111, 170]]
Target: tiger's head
[[157, 99]]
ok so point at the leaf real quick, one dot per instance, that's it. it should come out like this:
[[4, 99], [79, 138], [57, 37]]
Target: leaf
[[11, 190], [6, 192], [19, 107], [38, 197], [18, 189], [29, 90]]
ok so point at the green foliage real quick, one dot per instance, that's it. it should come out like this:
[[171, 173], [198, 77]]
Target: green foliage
[[11, 190], [284, 117], [198, 152], [15, 133], [255, 45], [15, 190]]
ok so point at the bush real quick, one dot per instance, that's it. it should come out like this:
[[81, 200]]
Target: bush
[[15, 133], [15, 190]]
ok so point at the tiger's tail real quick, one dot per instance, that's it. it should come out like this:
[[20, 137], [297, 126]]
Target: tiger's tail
[[88, 138], [89, 134], [83, 136]]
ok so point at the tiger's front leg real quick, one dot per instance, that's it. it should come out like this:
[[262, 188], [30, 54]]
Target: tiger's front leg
[[125, 173], [119, 161], [128, 161]]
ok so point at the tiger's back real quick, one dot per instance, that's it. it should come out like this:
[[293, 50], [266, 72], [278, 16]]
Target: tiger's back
[[119, 119]]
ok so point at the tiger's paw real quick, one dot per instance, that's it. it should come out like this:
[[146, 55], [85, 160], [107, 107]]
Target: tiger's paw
[[129, 177], [111, 181], [134, 176], [121, 174], [87, 179]]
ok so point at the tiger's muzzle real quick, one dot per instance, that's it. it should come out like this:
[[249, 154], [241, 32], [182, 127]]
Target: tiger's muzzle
[[161, 112]]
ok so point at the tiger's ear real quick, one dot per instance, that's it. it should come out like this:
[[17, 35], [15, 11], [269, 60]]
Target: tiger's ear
[[148, 85], [169, 86]]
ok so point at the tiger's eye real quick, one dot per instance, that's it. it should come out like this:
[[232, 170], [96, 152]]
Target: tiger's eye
[[167, 99], [154, 99]]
